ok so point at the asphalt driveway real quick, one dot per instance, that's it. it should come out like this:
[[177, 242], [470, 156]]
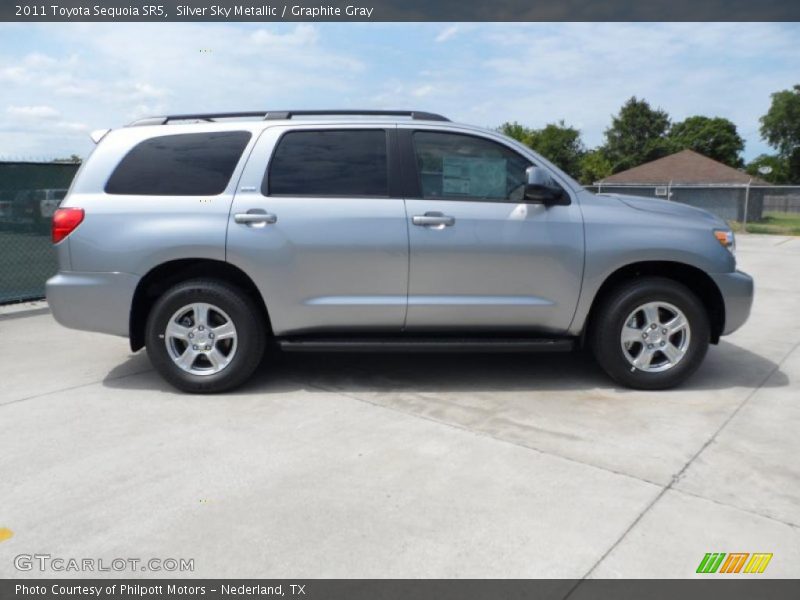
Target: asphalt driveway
[[407, 466]]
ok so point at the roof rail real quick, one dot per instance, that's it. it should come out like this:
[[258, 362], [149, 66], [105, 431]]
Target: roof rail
[[211, 117], [417, 115], [287, 114]]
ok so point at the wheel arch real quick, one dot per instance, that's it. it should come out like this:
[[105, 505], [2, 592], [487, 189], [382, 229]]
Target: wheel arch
[[164, 276], [697, 280]]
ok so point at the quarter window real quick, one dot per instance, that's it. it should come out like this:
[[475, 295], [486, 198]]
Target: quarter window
[[329, 163], [189, 164], [466, 167]]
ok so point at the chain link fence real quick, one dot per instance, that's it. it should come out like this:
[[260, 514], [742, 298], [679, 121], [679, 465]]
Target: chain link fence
[[29, 195]]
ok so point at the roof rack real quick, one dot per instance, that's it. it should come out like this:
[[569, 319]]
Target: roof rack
[[417, 115], [288, 114]]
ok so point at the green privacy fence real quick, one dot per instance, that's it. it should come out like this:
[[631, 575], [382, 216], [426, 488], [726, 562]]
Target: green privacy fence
[[29, 194]]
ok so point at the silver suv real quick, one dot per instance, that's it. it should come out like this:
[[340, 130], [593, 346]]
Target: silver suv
[[207, 237]]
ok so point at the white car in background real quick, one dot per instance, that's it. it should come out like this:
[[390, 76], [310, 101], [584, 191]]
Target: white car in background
[[31, 209], [49, 201]]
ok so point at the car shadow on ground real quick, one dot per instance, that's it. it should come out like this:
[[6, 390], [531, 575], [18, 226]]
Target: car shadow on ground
[[726, 366]]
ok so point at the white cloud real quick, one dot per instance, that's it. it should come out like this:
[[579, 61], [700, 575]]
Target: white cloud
[[72, 127], [301, 35], [145, 90], [33, 112], [105, 75], [423, 90], [447, 33], [583, 72], [12, 74]]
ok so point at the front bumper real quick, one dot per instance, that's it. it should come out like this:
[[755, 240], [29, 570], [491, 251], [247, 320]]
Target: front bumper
[[92, 301], [737, 293]]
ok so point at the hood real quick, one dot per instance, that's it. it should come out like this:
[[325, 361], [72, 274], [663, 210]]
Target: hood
[[671, 208]]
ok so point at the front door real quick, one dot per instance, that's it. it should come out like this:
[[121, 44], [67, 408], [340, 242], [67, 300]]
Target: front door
[[482, 258]]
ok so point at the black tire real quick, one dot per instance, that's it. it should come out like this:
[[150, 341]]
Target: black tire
[[247, 318], [611, 316]]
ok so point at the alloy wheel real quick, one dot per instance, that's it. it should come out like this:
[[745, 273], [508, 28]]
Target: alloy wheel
[[201, 339], [655, 337]]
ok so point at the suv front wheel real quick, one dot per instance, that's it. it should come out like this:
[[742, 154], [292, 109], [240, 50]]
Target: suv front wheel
[[651, 333], [205, 336]]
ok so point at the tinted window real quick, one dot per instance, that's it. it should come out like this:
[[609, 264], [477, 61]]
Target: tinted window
[[462, 166], [329, 163], [190, 164]]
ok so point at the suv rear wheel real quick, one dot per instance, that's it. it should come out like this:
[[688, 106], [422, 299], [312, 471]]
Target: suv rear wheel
[[651, 333], [205, 336]]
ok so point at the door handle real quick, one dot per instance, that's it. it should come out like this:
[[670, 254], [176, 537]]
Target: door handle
[[253, 217], [435, 220]]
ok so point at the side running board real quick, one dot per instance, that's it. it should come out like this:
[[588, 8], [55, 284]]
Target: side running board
[[425, 344]]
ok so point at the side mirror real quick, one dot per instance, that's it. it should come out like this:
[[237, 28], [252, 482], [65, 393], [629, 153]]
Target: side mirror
[[540, 187]]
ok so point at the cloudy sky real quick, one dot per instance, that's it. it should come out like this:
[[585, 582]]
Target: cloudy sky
[[60, 81]]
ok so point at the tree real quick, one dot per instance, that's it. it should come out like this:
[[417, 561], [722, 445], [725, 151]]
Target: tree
[[516, 131], [780, 127], [778, 166], [557, 142], [714, 137], [594, 167], [561, 145], [638, 134]]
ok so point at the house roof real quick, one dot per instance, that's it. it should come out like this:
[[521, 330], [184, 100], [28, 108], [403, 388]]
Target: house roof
[[686, 166]]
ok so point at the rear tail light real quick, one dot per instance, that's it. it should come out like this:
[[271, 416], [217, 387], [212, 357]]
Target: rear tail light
[[65, 220]]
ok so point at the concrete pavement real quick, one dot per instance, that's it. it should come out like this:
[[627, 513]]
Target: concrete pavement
[[408, 466]]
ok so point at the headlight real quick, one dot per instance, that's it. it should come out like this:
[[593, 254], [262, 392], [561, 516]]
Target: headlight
[[725, 237]]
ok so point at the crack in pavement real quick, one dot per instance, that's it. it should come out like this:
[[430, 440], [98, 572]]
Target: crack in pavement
[[735, 507], [676, 478], [477, 433], [74, 387]]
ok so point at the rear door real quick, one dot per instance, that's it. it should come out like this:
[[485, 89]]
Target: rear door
[[317, 226], [482, 258], [168, 196]]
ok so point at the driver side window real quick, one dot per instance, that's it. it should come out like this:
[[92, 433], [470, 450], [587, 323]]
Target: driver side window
[[457, 166]]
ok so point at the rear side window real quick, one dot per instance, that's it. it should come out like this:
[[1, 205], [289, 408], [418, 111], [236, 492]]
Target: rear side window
[[329, 163], [188, 164]]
